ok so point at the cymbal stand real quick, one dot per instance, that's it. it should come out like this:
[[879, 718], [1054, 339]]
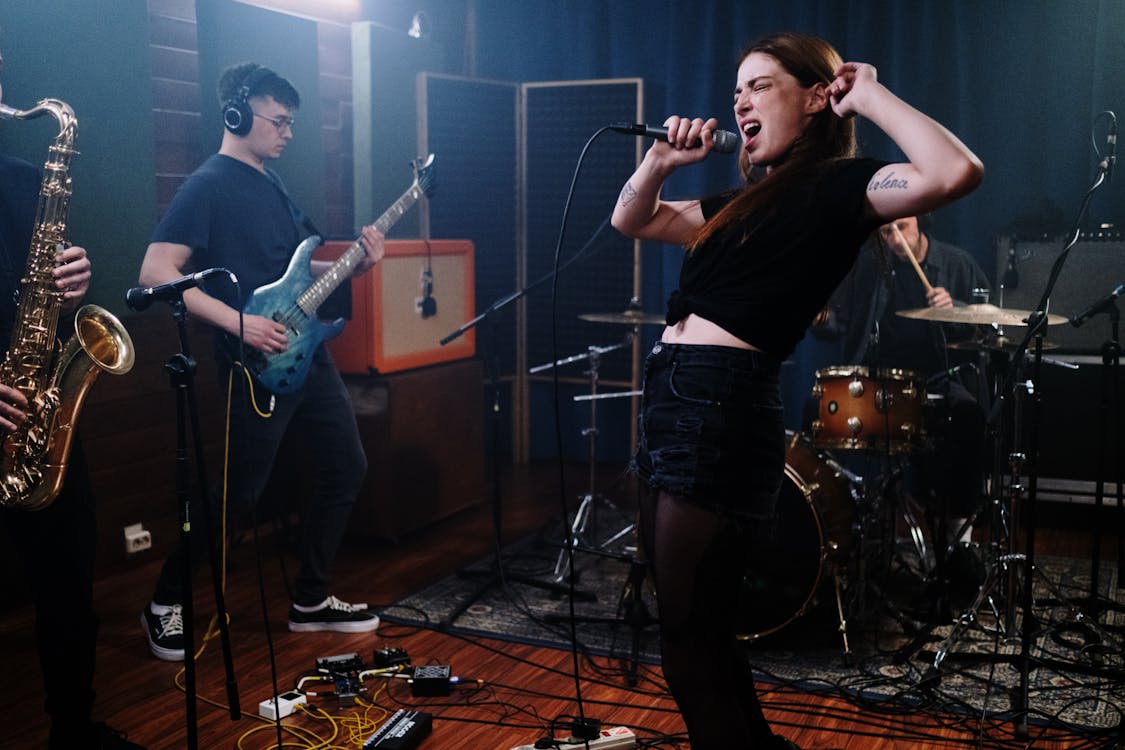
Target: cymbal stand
[[1036, 323], [1003, 571], [587, 510], [1109, 412]]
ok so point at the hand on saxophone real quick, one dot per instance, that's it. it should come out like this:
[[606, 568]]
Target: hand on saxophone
[[72, 274], [12, 405]]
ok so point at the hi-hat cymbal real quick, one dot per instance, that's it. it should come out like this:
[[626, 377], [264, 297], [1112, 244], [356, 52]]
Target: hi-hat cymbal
[[629, 317], [979, 314], [993, 344]]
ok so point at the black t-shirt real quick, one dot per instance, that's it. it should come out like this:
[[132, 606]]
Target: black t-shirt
[[19, 199], [765, 281], [233, 216]]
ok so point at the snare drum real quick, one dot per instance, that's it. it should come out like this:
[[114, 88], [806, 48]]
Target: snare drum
[[861, 409], [813, 532]]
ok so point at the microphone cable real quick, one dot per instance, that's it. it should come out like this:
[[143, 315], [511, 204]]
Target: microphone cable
[[567, 533]]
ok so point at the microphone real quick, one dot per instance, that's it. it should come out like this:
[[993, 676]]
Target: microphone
[[1011, 275], [726, 142], [1099, 306], [139, 298], [1110, 147], [946, 374], [426, 305]]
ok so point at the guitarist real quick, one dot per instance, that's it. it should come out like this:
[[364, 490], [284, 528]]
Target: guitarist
[[233, 213]]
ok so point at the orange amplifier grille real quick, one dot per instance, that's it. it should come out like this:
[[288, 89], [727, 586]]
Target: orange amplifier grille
[[387, 332]]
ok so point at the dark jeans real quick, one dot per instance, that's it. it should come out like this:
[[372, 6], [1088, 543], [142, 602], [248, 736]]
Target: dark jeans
[[711, 429], [57, 547], [712, 454], [321, 413]]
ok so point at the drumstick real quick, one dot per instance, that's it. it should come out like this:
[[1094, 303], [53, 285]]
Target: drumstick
[[911, 258]]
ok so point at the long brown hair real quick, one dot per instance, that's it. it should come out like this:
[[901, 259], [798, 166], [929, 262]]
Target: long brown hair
[[826, 137]]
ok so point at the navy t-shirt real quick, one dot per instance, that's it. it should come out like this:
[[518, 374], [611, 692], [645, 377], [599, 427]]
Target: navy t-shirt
[[233, 216], [765, 281]]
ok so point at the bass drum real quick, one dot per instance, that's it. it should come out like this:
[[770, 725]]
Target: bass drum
[[811, 536]]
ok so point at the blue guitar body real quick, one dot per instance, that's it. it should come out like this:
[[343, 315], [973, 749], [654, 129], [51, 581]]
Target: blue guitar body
[[286, 371], [294, 299]]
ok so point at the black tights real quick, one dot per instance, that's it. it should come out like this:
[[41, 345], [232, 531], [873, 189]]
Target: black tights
[[696, 558]]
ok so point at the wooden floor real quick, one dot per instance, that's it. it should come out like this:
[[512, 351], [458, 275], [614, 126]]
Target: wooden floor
[[522, 688]]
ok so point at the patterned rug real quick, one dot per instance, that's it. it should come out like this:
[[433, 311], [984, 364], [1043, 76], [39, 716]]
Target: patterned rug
[[1076, 674]]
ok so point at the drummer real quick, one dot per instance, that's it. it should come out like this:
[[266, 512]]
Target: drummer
[[884, 280]]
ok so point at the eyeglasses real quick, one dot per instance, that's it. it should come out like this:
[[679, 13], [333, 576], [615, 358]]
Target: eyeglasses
[[281, 123]]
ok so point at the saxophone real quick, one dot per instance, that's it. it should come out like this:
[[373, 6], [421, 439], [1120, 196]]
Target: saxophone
[[54, 379]]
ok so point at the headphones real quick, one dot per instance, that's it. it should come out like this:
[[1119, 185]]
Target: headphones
[[238, 118]]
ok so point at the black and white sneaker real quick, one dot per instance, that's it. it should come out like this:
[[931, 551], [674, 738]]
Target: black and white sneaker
[[334, 615], [164, 626]]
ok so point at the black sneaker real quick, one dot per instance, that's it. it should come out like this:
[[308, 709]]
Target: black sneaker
[[165, 631], [335, 615], [107, 738]]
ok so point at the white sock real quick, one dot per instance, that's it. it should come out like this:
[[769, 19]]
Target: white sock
[[159, 609], [314, 608]]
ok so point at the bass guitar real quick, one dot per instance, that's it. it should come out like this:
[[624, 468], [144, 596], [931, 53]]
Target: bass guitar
[[293, 300]]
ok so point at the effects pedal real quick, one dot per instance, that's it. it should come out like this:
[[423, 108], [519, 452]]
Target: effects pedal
[[430, 681], [386, 658], [344, 670], [285, 704], [613, 738], [403, 731]]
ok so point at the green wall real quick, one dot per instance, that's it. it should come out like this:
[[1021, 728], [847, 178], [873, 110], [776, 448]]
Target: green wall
[[94, 55], [231, 33]]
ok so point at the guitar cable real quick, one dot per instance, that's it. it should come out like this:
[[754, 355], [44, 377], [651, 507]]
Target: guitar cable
[[249, 380]]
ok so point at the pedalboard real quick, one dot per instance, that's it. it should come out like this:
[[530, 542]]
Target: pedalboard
[[284, 705], [612, 738]]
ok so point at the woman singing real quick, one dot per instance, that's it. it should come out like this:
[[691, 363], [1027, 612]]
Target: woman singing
[[761, 262]]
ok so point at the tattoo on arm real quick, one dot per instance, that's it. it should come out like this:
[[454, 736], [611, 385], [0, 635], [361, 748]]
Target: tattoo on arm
[[628, 194], [887, 182]]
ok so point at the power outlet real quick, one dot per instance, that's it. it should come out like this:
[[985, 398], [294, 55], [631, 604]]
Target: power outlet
[[137, 539], [612, 738]]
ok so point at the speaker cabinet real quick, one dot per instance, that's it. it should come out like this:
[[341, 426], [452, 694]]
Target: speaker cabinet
[[423, 431], [1094, 267], [392, 328]]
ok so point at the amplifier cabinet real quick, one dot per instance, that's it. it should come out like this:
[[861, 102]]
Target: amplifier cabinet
[[1092, 270], [388, 331], [423, 431]]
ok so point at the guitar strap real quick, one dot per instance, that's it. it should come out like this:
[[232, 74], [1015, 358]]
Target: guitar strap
[[299, 217], [339, 303]]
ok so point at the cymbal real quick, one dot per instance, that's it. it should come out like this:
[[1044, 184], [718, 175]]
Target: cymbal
[[978, 314], [993, 344], [629, 317]]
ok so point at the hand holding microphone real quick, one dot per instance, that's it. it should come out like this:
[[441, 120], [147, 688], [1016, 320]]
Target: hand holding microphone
[[726, 142]]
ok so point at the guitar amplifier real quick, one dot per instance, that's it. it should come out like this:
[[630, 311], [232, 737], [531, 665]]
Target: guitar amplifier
[[417, 295], [1093, 269]]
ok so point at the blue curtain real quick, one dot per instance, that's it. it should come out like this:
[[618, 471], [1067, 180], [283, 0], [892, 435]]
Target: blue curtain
[[1022, 82]]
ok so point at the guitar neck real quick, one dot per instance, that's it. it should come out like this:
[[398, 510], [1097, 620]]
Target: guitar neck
[[341, 270]]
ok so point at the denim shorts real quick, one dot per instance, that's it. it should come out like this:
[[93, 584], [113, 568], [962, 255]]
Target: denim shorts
[[711, 428]]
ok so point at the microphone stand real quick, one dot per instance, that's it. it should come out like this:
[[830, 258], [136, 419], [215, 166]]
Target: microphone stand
[[181, 370], [1110, 405], [496, 575], [1036, 322]]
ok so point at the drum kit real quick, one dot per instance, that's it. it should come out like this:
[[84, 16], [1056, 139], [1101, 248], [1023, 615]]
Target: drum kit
[[831, 524]]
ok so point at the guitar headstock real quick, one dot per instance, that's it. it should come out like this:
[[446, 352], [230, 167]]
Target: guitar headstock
[[424, 173]]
